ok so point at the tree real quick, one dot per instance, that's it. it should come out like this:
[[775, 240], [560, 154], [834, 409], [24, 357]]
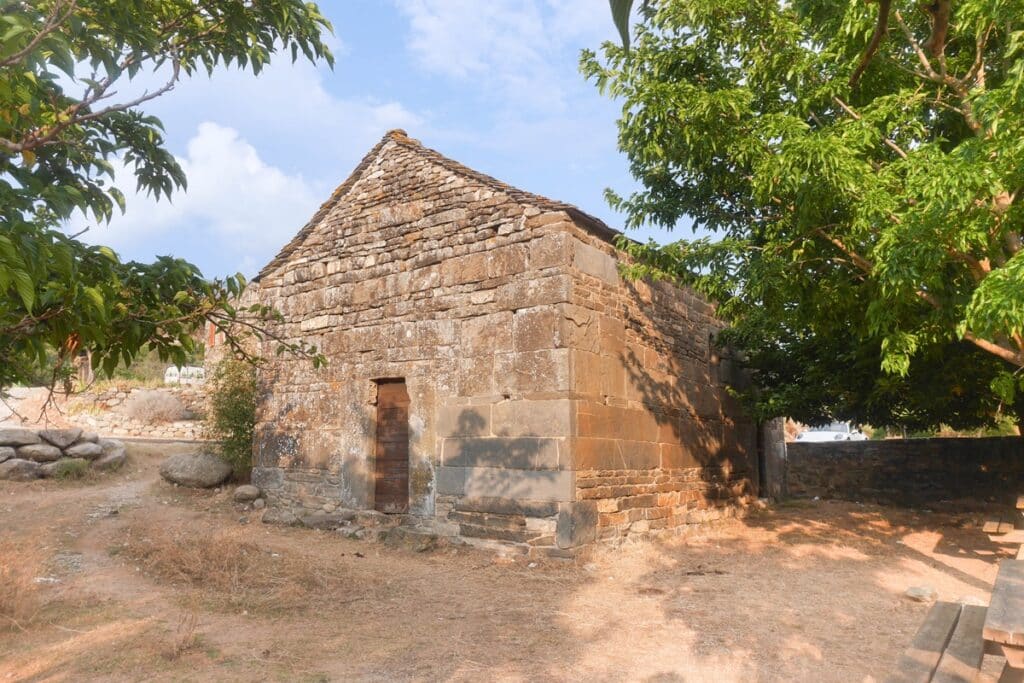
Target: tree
[[861, 168], [65, 66]]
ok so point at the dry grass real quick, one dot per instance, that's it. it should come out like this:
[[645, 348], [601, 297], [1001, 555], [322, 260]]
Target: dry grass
[[20, 599], [154, 406], [185, 637], [231, 572]]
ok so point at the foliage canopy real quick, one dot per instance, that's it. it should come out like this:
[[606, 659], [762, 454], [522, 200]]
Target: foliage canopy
[[66, 116], [860, 167]]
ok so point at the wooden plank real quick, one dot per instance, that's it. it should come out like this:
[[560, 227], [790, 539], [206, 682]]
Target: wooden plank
[[1004, 621], [391, 458], [1020, 553], [997, 526], [961, 660], [920, 660]]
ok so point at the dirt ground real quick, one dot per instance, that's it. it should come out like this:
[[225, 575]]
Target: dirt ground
[[123, 577]]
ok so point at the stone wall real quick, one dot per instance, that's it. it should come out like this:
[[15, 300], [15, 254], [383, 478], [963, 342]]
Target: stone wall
[[660, 443], [104, 412], [909, 471]]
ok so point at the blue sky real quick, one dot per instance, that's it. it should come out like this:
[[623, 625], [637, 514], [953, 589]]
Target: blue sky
[[492, 84]]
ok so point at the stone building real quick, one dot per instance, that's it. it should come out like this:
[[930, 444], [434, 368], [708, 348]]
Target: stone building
[[490, 374]]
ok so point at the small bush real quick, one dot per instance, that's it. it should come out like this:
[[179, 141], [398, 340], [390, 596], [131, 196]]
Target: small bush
[[232, 413], [154, 406], [70, 468]]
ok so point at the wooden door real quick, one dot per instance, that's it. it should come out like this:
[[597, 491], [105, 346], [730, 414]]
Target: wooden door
[[391, 469]]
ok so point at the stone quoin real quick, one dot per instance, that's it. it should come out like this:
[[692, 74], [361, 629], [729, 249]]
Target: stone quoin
[[490, 375]]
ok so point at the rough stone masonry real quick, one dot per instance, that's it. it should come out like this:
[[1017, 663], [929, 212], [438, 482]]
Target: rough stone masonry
[[551, 403]]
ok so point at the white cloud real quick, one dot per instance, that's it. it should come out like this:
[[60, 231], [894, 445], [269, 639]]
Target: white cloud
[[523, 49], [237, 212]]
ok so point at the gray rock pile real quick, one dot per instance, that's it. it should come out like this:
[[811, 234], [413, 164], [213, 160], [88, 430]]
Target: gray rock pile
[[27, 454]]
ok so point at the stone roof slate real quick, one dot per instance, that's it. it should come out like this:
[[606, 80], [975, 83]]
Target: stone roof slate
[[583, 219]]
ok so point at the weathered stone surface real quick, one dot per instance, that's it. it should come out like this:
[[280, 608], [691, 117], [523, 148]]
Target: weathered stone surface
[[203, 470], [411, 539], [85, 449], [13, 436], [65, 467], [61, 438], [17, 469], [246, 493], [6, 453], [328, 521], [577, 524], [91, 437], [259, 504], [40, 452]]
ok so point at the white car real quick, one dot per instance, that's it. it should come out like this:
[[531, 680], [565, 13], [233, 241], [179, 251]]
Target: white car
[[837, 431]]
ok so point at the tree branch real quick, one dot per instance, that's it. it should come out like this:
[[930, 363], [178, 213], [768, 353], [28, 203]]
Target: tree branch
[[53, 21], [881, 28], [889, 143]]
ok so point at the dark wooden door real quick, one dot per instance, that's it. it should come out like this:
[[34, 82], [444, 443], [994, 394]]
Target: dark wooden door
[[391, 489]]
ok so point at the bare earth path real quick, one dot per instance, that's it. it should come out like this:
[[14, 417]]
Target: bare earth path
[[805, 593]]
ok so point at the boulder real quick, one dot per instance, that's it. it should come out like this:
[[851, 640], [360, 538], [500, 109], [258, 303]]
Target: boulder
[[259, 504], [40, 452], [91, 437], [113, 455], [202, 471], [6, 453], [18, 437], [112, 461], [246, 493], [84, 449], [61, 438], [328, 521], [17, 469], [65, 468]]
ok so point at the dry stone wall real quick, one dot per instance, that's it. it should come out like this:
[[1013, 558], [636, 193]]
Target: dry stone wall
[[104, 412], [909, 471]]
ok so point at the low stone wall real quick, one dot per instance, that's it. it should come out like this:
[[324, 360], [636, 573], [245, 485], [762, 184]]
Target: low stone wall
[[909, 471], [104, 412], [27, 454]]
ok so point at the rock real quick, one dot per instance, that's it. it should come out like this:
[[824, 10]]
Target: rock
[[329, 507], [246, 493], [328, 521], [91, 437], [65, 468], [17, 469], [61, 438], [203, 470], [40, 452], [6, 453], [921, 593], [85, 449], [18, 437], [111, 461], [259, 504], [411, 539], [280, 517], [111, 446]]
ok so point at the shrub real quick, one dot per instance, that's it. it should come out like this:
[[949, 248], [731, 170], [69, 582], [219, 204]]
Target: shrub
[[232, 412], [154, 406], [20, 601], [70, 468]]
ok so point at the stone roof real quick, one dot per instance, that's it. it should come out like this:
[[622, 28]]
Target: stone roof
[[583, 219]]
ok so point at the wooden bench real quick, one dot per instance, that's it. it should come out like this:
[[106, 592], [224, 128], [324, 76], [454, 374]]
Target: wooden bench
[[1004, 619], [948, 647]]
